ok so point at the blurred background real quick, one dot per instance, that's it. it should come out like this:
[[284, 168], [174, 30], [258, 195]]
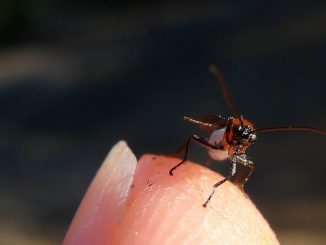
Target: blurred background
[[77, 76]]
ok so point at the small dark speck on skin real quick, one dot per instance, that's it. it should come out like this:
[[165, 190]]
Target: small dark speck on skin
[[153, 158], [149, 184], [132, 186]]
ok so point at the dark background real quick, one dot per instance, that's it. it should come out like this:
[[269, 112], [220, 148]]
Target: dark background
[[77, 76]]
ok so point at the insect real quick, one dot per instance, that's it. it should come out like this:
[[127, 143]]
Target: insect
[[229, 138]]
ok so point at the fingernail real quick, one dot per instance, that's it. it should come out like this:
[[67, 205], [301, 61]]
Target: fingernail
[[102, 206]]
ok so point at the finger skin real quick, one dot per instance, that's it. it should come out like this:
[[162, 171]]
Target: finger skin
[[162, 209], [165, 209]]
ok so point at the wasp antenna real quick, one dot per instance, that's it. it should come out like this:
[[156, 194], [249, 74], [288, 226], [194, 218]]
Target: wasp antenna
[[216, 73], [310, 129]]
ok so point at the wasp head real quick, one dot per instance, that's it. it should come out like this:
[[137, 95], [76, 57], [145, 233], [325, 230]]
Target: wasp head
[[241, 134]]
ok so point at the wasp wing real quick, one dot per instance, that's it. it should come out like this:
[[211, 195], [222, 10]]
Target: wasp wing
[[209, 123]]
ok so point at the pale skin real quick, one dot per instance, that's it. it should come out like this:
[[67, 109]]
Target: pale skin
[[132, 202]]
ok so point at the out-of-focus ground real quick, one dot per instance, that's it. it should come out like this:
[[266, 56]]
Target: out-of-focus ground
[[77, 77]]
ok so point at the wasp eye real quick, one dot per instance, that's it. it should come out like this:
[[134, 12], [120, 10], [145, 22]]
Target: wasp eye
[[239, 129]]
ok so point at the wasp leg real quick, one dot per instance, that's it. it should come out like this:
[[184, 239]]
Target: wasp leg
[[246, 168], [185, 148], [231, 174]]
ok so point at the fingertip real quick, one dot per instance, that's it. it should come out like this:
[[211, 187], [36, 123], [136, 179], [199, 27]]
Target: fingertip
[[158, 209], [165, 210]]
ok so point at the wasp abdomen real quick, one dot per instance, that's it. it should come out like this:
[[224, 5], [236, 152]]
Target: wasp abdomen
[[217, 139]]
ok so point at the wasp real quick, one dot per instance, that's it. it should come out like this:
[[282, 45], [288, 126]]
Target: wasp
[[229, 138]]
